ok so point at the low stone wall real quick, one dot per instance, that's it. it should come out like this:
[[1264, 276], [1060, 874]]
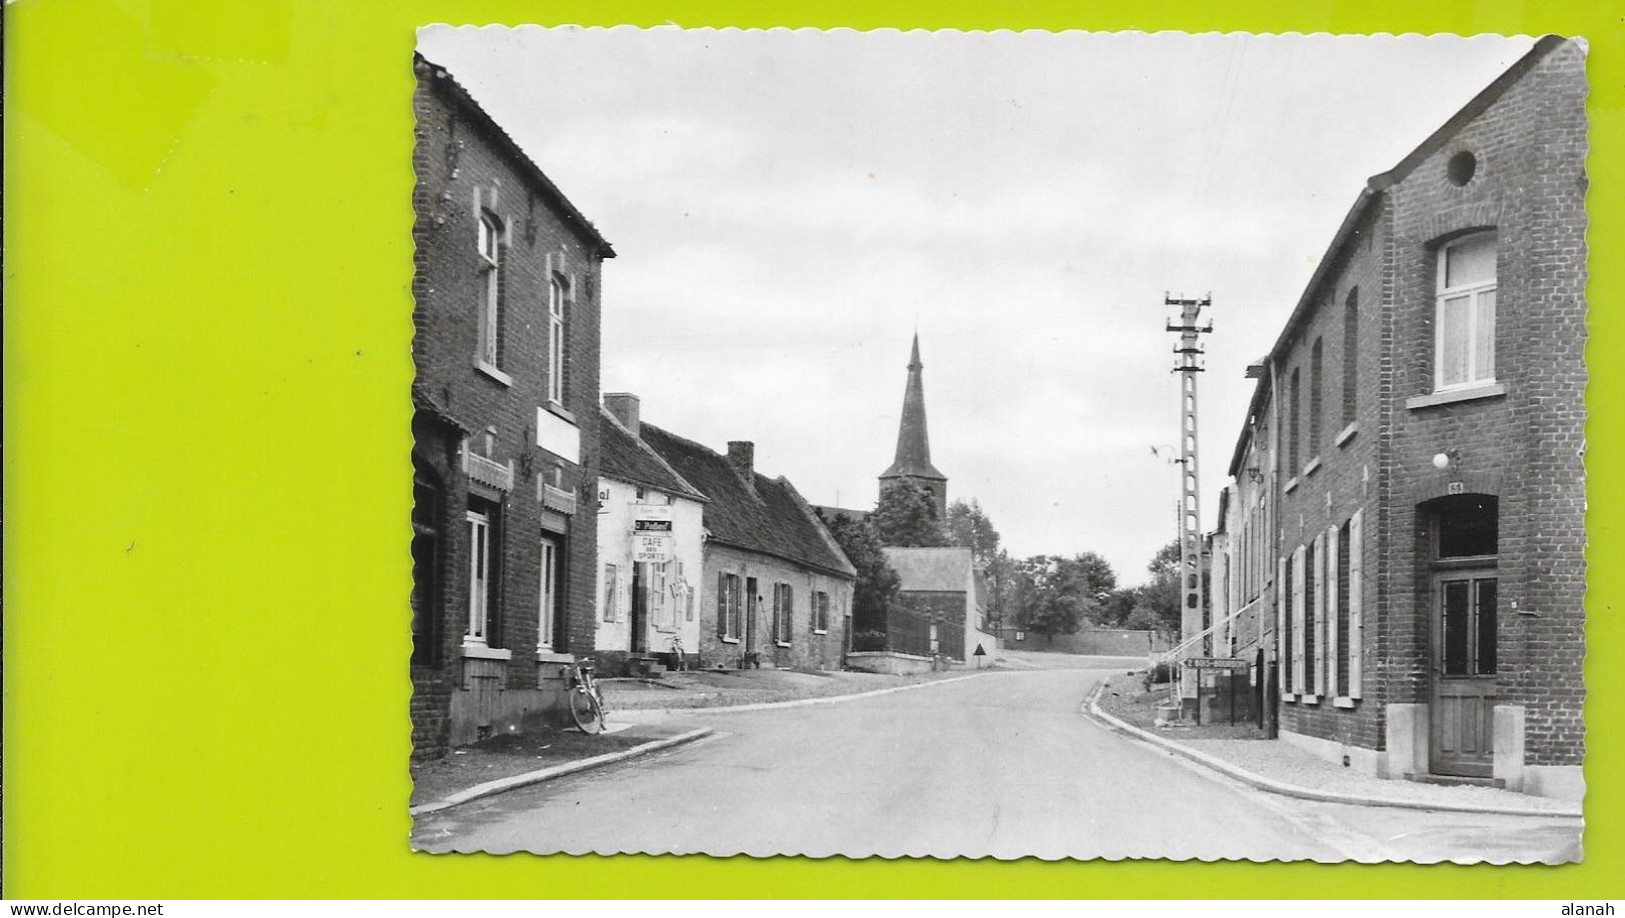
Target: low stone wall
[[889, 662]]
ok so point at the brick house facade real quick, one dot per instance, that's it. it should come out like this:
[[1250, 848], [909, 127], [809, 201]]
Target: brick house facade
[[937, 608], [505, 426], [776, 588], [1423, 443]]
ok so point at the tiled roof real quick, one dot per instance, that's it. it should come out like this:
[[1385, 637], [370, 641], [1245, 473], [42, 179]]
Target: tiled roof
[[627, 458], [931, 570], [774, 520], [834, 513]]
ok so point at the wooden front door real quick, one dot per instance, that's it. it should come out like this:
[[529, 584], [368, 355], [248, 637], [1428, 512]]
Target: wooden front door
[[1464, 657]]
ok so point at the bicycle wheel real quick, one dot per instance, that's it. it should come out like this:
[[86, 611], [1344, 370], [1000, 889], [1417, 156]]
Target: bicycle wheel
[[586, 710]]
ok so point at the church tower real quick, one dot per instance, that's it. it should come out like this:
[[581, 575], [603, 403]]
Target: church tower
[[913, 461]]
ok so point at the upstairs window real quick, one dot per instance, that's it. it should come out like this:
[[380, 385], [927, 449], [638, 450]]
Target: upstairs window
[[555, 340], [1351, 355], [490, 318], [1294, 435], [1464, 351], [1317, 405]]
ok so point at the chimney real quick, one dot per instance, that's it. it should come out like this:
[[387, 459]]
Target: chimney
[[625, 407], [742, 456]]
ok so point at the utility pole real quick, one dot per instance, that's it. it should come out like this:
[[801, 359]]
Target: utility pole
[[1186, 366]]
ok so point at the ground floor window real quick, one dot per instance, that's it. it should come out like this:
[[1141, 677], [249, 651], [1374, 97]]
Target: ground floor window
[[482, 572], [820, 614], [728, 597], [548, 612], [783, 606], [662, 611]]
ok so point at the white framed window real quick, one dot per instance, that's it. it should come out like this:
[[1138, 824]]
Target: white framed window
[[479, 577], [555, 340], [490, 305], [1464, 320], [728, 599], [820, 615], [660, 605], [612, 585], [548, 611]]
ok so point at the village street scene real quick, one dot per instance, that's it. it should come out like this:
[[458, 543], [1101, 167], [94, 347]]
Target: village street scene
[[868, 519]]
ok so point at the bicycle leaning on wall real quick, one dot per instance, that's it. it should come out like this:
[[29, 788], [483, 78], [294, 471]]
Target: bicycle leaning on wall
[[586, 702]]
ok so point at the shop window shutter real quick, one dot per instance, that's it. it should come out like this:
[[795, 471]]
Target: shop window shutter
[[1334, 584], [1356, 601], [1283, 654]]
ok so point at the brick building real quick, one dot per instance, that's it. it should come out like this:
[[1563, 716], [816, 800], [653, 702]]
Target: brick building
[[776, 588], [1241, 582], [505, 426], [1422, 443], [651, 548], [939, 609]]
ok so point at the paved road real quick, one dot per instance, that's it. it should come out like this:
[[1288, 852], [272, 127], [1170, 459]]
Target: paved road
[[1000, 765]]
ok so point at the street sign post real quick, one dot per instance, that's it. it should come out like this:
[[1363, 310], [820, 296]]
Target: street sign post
[[1216, 663]]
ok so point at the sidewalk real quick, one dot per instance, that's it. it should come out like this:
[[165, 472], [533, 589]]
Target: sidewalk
[[715, 688], [513, 755], [1283, 768]]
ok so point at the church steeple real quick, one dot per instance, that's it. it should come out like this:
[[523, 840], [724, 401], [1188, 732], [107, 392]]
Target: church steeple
[[913, 460]]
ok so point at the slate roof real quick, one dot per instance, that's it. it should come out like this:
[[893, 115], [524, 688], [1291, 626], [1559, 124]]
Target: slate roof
[[913, 459], [774, 520], [931, 570], [624, 457]]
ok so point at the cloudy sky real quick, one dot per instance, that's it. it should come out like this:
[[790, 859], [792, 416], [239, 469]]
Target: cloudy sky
[[789, 206]]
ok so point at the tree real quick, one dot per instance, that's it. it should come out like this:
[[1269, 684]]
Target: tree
[[1053, 600], [906, 517], [1143, 618], [1002, 600], [877, 583], [969, 527], [1089, 575], [1162, 594]]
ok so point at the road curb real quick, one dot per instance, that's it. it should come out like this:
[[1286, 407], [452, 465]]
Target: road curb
[[1292, 790], [558, 771], [824, 699]]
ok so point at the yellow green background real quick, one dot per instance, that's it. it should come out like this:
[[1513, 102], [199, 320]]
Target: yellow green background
[[207, 259]]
